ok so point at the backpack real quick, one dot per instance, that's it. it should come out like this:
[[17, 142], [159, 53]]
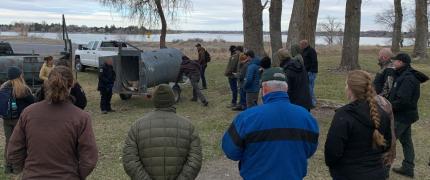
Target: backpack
[[207, 56], [11, 110], [4, 100]]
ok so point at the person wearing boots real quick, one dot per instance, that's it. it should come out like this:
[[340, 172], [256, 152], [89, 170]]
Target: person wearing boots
[[107, 78], [192, 70]]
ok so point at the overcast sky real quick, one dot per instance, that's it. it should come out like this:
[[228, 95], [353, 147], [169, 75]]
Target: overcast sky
[[204, 15]]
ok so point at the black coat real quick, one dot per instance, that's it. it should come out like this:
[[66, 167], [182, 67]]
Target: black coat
[[348, 150], [77, 96], [298, 83], [21, 102], [107, 77], [405, 94], [310, 59]]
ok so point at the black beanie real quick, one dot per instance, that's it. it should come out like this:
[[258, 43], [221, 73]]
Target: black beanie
[[13, 72]]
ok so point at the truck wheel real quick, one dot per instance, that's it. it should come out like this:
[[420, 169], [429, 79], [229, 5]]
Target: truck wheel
[[79, 66], [125, 97], [177, 91]]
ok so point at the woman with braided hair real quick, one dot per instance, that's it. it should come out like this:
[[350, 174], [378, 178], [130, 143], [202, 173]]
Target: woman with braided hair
[[360, 137]]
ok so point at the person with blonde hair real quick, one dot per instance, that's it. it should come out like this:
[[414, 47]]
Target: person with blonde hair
[[47, 67], [17, 96], [54, 139], [361, 133]]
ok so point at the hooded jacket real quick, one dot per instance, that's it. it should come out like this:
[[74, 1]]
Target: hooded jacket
[[384, 79], [272, 141], [190, 68], [21, 102], [405, 94], [162, 145], [349, 151], [252, 80], [298, 83]]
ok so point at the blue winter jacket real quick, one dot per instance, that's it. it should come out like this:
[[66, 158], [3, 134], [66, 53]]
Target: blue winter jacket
[[252, 79], [272, 141]]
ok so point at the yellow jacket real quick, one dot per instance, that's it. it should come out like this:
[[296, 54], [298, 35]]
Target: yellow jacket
[[44, 72]]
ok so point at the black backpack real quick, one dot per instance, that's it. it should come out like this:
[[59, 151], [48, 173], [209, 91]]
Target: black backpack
[[207, 56], [12, 107]]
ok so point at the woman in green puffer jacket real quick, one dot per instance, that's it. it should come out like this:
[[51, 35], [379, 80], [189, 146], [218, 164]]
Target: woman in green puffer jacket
[[162, 145]]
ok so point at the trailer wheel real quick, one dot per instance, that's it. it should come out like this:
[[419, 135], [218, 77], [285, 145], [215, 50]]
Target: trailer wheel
[[125, 97], [78, 65], [177, 91]]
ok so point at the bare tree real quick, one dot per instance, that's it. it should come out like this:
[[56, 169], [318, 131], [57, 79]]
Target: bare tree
[[386, 17], [295, 22], [253, 25], [421, 33], [351, 38], [397, 26], [150, 12], [275, 15], [331, 29]]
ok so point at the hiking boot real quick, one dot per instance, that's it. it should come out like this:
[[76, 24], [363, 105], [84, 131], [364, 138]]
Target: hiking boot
[[238, 108], [104, 112], [404, 172], [206, 104], [194, 99]]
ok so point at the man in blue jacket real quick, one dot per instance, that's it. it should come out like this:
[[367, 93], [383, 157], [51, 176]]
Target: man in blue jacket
[[272, 141], [252, 79]]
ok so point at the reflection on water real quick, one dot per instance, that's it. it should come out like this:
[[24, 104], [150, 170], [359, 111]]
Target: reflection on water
[[83, 38]]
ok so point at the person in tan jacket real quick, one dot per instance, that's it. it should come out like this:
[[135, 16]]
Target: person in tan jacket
[[54, 139], [46, 68]]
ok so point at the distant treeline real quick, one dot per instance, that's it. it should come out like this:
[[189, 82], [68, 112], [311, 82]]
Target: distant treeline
[[24, 28]]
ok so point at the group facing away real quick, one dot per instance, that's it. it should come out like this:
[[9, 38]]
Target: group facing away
[[51, 137]]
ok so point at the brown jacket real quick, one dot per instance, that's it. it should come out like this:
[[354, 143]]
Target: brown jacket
[[386, 106], [53, 142], [202, 57]]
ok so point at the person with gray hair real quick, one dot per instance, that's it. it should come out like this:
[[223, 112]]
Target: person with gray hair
[[384, 78], [281, 136]]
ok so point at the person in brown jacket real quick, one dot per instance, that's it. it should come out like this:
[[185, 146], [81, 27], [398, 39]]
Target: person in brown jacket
[[54, 139], [203, 60]]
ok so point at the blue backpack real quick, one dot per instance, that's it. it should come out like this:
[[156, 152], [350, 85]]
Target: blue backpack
[[8, 106]]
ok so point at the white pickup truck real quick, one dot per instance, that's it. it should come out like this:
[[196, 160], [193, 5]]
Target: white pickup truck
[[88, 55]]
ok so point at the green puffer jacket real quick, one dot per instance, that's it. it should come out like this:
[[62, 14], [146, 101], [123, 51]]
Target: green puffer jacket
[[162, 145]]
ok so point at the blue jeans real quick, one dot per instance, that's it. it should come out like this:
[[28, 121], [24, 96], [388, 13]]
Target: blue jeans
[[233, 88], [312, 77]]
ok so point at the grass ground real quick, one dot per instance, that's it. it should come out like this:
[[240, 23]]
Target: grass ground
[[211, 122]]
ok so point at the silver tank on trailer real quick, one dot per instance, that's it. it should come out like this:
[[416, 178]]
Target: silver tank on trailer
[[137, 71]]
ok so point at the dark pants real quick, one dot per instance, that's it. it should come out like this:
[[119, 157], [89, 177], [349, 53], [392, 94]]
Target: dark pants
[[251, 99], [233, 88], [242, 93], [8, 126], [196, 89], [403, 133], [106, 96], [203, 76]]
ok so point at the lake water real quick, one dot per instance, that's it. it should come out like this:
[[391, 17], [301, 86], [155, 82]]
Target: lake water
[[83, 38]]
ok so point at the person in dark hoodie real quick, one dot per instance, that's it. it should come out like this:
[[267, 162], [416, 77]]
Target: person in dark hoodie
[[252, 80], [360, 134], [404, 97], [17, 96], [297, 79], [192, 70]]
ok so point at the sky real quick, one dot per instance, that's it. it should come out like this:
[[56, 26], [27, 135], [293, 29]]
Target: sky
[[204, 14]]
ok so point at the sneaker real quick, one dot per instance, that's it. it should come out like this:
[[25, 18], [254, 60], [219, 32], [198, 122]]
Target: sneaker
[[238, 108], [104, 112], [404, 172]]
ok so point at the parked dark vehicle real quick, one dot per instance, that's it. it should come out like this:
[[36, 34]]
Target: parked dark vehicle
[[29, 63]]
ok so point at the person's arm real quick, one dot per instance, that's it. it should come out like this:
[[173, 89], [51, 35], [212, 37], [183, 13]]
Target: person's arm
[[404, 95], [192, 166], [232, 143], [378, 82], [336, 139], [250, 74], [17, 147], [43, 73], [312, 143], [130, 157], [87, 148], [180, 74]]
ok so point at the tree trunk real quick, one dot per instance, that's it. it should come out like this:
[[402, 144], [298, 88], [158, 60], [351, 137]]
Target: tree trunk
[[397, 28], [421, 32], [309, 24], [351, 39], [163, 24], [275, 13], [297, 18], [253, 26]]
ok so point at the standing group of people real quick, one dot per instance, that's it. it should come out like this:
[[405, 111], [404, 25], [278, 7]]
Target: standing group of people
[[275, 140], [244, 70]]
